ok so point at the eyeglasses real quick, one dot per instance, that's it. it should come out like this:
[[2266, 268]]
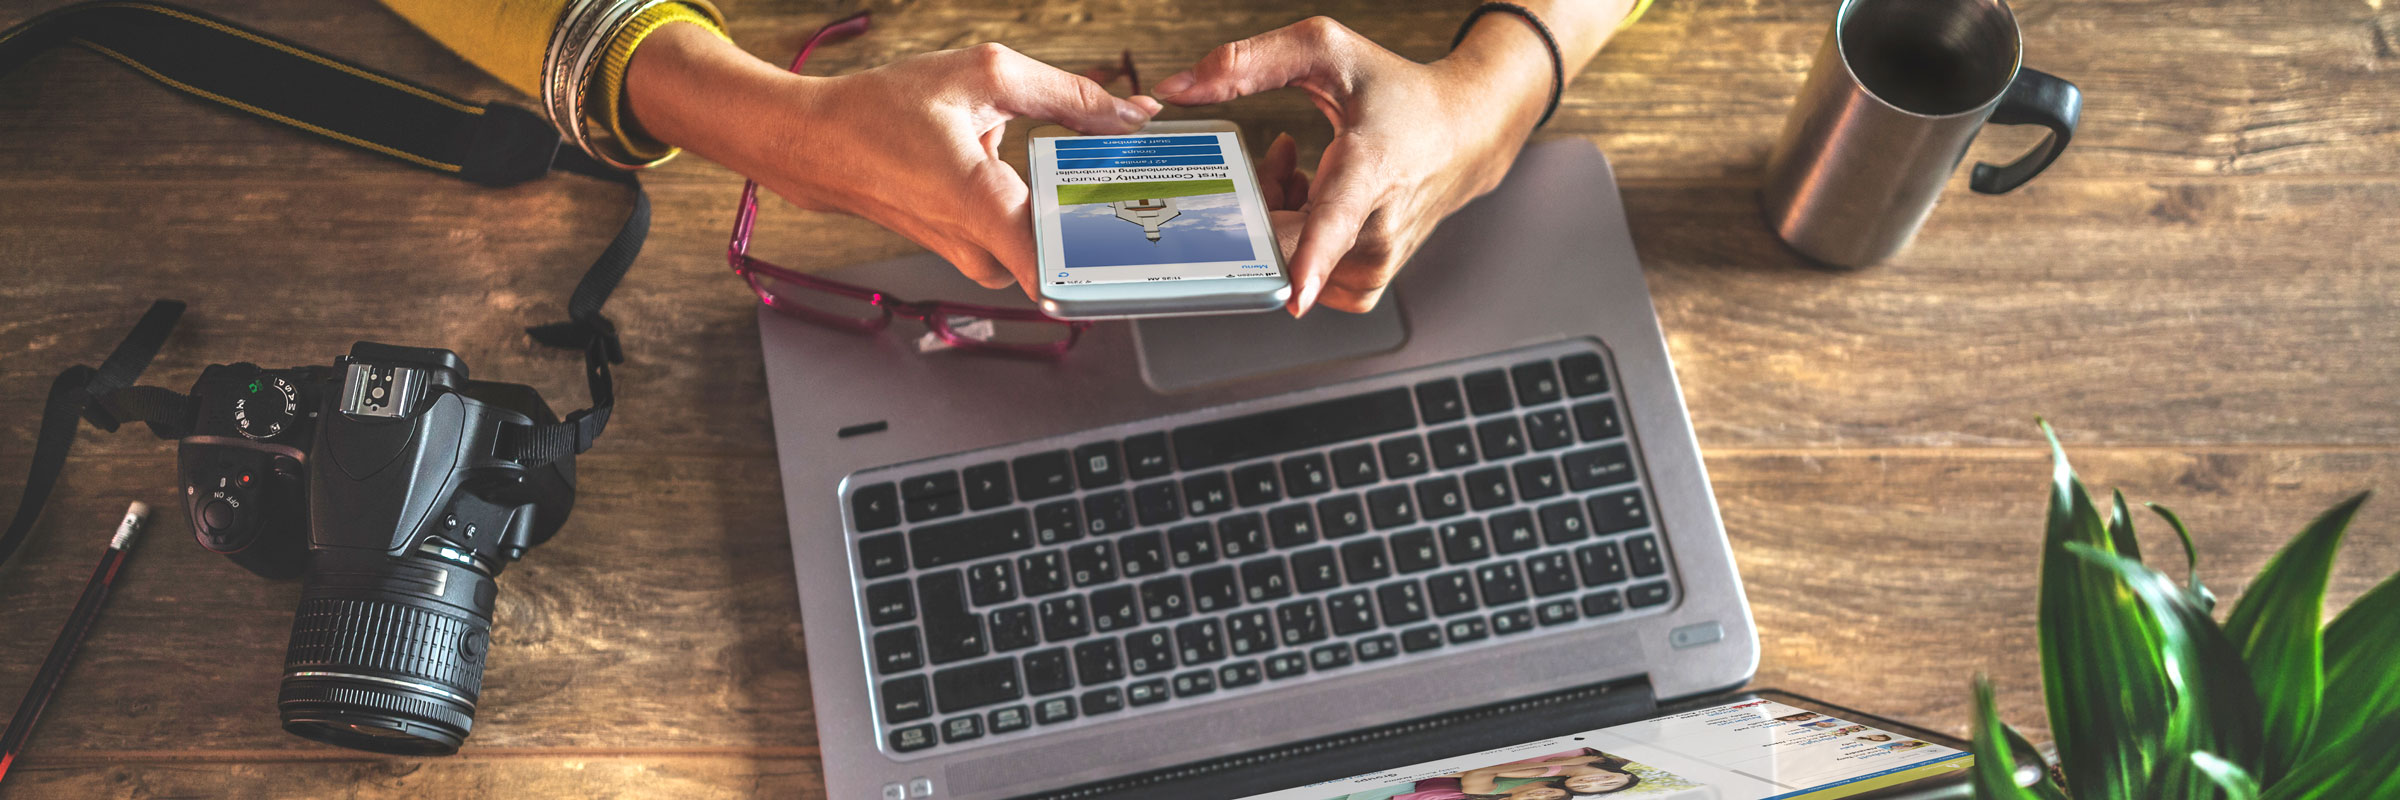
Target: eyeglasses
[[969, 327]]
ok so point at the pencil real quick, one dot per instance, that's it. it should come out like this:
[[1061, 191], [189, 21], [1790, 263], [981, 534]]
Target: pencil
[[70, 637]]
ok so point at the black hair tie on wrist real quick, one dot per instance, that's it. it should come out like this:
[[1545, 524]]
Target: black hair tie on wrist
[[1558, 63]]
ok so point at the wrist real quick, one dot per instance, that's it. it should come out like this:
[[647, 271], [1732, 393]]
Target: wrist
[[1503, 71], [690, 88]]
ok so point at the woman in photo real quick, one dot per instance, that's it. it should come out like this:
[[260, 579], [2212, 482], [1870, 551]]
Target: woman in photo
[[1559, 776], [1876, 737]]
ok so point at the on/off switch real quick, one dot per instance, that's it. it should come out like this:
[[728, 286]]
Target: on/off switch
[[216, 515]]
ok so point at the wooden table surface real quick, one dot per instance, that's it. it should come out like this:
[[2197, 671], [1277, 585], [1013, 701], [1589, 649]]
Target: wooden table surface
[[2202, 294]]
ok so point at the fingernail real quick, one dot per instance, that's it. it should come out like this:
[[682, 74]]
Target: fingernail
[[1132, 115], [1174, 85]]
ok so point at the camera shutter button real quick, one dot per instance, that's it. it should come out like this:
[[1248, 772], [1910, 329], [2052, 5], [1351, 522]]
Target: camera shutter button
[[216, 515]]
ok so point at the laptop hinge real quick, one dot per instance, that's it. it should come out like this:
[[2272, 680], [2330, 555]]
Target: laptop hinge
[[1383, 747]]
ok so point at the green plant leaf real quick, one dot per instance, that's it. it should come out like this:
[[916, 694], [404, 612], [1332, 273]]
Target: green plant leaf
[[2101, 675], [2191, 557], [2213, 708], [2120, 527], [2363, 766], [2362, 667], [2277, 624], [1995, 748], [2235, 783]]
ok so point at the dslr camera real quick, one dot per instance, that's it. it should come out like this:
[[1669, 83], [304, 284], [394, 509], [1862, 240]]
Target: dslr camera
[[396, 490]]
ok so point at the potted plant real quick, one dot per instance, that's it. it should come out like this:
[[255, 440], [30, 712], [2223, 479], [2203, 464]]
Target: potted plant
[[2151, 697]]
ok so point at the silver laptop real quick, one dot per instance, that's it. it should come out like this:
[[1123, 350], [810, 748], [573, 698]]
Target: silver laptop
[[1192, 545]]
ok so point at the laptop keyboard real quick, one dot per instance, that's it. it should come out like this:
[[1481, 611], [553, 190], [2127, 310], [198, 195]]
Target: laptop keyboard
[[1193, 558]]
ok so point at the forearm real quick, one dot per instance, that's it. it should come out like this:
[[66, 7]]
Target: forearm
[[1506, 60], [689, 88]]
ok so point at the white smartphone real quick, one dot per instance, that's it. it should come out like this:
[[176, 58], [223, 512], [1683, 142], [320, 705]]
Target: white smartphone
[[1165, 222]]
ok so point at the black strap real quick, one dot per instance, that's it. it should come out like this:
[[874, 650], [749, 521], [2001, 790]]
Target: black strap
[[74, 395]]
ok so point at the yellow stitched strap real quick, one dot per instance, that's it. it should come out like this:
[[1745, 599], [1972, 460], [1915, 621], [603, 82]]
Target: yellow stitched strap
[[213, 24], [610, 86], [1639, 6]]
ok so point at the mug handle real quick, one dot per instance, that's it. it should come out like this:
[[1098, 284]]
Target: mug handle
[[2034, 98]]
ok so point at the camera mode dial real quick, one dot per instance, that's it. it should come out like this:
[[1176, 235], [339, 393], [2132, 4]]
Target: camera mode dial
[[265, 407]]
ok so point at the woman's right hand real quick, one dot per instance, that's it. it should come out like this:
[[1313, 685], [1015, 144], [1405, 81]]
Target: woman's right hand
[[912, 145]]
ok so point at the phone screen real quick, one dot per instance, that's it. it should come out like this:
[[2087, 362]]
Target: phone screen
[[1752, 749], [1148, 208]]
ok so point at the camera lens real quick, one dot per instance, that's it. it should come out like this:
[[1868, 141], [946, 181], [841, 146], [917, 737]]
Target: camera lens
[[387, 652]]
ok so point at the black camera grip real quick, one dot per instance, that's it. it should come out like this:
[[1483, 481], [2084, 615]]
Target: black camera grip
[[2035, 98]]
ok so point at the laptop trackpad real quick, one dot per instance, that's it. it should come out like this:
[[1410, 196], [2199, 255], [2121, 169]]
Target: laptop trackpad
[[1182, 353]]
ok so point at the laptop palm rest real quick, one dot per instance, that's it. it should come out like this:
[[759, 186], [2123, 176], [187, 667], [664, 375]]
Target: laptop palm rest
[[1182, 353]]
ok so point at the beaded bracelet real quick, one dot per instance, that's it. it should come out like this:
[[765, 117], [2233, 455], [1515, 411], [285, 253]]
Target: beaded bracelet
[[1558, 63]]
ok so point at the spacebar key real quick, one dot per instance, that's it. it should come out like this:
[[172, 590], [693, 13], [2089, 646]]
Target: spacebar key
[[971, 538], [979, 684], [1209, 444]]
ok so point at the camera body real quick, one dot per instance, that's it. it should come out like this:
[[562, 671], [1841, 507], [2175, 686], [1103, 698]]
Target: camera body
[[386, 483]]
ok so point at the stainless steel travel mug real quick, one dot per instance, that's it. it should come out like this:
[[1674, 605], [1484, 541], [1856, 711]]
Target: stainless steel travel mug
[[1898, 91]]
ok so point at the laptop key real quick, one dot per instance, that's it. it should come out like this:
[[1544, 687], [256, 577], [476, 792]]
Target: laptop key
[[1146, 456], [1048, 671], [1487, 488], [1195, 683], [1249, 632], [1315, 570], [1042, 572], [1513, 532], [1501, 438], [1107, 513], [1103, 701], [1599, 564], [1207, 493], [1466, 629], [1043, 475], [1147, 692], [1402, 602], [1350, 612], [1439, 401], [905, 699], [912, 738], [1551, 573], [1264, 579], [1272, 433], [1057, 522], [1285, 665], [1255, 485], [1415, 551], [1515, 620], [1619, 512], [1599, 604], [1215, 589], [1192, 544], [1404, 457], [1306, 475], [926, 497], [1156, 503], [1331, 656], [1010, 719], [1599, 466], [1200, 642], [987, 486], [1547, 429], [1538, 479], [1354, 465], [1115, 609], [897, 651], [883, 554], [1597, 420], [1641, 552], [1013, 628], [1239, 674], [1463, 541], [976, 685], [1363, 561], [1141, 555], [1378, 647], [1301, 622], [1562, 522], [969, 539], [1487, 392], [1440, 497], [1165, 599], [1096, 662], [1092, 563], [1149, 652], [1054, 710], [1097, 464], [1502, 581], [1418, 640], [1537, 382], [875, 507], [1453, 447], [991, 582], [1556, 612], [889, 602], [1063, 618], [952, 633], [1583, 374], [1341, 515], [1390, 506], [1452, 592], [1245, 535]]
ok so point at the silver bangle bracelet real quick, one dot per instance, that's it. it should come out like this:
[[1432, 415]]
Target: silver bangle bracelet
[[576, 49]]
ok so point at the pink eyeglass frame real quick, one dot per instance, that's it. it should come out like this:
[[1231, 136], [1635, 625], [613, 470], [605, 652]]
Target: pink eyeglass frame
[[935, 314]]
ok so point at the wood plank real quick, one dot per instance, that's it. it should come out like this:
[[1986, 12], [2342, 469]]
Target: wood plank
[[598, 777]]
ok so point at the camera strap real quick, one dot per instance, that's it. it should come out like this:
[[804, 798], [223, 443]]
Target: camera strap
[[491, 144]]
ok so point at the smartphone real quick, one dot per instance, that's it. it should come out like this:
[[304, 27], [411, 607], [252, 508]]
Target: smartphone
[[1165, 222], [1761, 745]]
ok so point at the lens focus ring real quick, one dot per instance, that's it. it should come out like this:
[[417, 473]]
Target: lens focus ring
[[402, 642]]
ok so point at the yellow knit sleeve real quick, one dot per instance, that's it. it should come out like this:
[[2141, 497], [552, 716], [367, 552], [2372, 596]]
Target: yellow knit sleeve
[[504, 37], [1639, 6]]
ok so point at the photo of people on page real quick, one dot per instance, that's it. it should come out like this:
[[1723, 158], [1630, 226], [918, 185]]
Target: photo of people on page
[[1152, 222], [1579, 773]]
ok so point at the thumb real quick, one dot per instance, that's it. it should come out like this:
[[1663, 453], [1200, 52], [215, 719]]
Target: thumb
[[1278, 58], [1029, 88]]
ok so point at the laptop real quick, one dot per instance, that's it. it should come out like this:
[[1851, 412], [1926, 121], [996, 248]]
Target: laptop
[[1193, 547]]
